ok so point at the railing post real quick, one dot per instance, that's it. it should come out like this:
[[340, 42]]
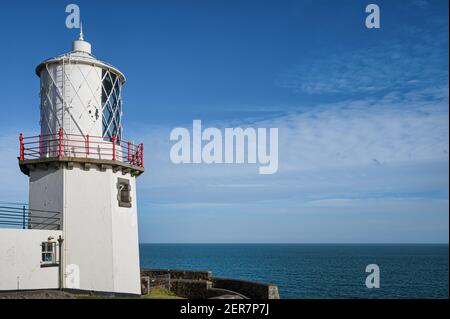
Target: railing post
[[60, 135], [114, 147], [23, 211], [40, 145], [87, 145], [128, 151], [21, 151], [142, 155]]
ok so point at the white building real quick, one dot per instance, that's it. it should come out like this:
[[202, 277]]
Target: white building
[[81, 225]]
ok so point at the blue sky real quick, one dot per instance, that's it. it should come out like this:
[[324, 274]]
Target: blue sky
[[362, 114]]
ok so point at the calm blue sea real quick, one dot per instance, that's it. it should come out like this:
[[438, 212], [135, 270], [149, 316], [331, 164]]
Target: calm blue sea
[[315, 270]]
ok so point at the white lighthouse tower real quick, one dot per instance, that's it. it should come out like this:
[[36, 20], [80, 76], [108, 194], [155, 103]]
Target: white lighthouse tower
[[83, 174]]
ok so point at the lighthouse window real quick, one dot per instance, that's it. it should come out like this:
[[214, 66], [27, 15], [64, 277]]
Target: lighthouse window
[[123, 192], [48, 253], [112, 105]]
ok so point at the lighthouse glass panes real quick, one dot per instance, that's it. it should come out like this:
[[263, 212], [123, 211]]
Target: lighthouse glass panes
[[112, 105]]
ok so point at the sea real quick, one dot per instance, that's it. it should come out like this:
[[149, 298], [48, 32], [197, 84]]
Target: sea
[[316, 271]]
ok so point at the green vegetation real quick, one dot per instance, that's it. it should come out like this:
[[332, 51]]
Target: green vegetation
[[160, 293], [94, 297], [155, 293]]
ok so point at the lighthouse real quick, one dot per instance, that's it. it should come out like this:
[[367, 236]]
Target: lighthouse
[[82, 173]]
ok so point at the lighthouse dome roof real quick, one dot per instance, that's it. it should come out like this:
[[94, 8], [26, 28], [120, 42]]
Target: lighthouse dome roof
[[80, 54]]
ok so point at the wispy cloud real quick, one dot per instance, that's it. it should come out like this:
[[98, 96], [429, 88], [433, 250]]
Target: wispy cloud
[[397, 144], [365, 132], [416, 58], [421, 3]]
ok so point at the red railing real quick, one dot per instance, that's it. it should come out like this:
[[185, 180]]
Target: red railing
[[87, 146]]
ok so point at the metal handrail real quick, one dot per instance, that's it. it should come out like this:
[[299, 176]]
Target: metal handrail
[[76, 145], [25, 217]]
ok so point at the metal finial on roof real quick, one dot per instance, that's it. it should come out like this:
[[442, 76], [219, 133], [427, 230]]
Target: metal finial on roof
[[81, 38], [81, 45]]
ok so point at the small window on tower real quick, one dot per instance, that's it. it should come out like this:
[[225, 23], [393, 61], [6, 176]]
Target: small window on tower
[[123, 192]]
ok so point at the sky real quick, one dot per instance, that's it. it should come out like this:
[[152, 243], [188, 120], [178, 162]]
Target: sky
[[362, 113]]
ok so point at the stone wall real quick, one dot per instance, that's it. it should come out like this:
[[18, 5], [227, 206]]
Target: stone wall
[[251, 289], [197, 284], [192, 289], [178, 274]]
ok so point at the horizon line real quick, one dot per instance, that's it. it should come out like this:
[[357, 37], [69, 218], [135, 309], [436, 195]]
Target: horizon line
[[295, 243]]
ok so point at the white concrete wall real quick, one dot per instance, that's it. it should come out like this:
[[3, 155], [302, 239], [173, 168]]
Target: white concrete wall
[[125, 240], [101, 250], [46, 194], [87, 228], [101, 239], [20, 260]]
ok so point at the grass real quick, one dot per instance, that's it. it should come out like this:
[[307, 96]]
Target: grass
[[155, 293], [160, 293]]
